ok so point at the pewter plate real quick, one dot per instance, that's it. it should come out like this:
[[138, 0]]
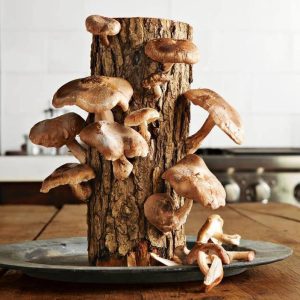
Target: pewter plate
[[66, 260]]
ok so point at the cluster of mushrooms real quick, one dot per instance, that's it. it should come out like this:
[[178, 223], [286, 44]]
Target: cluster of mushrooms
[[190, 177]]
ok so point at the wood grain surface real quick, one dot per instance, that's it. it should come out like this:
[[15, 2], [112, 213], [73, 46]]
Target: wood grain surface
[[275, 222]]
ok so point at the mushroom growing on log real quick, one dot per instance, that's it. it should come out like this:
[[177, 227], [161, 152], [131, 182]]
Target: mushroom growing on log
[[160, 212], [103, 27], [154, 81], [58, 132], [95, 94], [221, 114], [115, 142], [74, 175], [142, 118], [191, 178]]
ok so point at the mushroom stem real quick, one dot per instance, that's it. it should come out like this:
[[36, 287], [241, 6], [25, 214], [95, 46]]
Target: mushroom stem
[[182, 213], [215, 273], [104, 40], [82, 191], [163, 261], [77, 150], [241, 255], [228, 239], [167, 67], [194, 142], [145, 132], [122, 168], [106, 115], [157, 92]]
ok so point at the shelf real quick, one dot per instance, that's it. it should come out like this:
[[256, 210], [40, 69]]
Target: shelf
[[30, 168]]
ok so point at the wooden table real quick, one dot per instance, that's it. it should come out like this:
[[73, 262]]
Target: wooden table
[[273, 222]]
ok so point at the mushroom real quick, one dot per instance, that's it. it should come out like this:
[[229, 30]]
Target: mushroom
[[102, 26], [95, 94], [213, 230], [241, 255], [163, 261], [159, 210], [180, 254], [154, 81], [131, 259], [221, 114], [169, 51], [191, 178], [214, 274], [142, 118], [60, 131], [75, 175], [115, 142]]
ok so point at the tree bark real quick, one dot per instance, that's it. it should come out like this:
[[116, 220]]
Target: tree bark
[[116, 222]]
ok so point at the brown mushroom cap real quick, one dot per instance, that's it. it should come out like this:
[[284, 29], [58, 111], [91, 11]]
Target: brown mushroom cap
[[94, 94], [70, 173], [160, 211], [214, 224], [191, 178], [155, 79], [144, 115], [99, 25], [58, 131], [167, 50], [113, 140], [223, 114]]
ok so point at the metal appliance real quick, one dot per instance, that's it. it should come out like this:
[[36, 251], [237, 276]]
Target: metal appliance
[[256, 174]]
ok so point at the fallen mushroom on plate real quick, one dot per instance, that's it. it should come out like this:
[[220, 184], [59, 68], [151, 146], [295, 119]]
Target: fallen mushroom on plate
[[58, 132], [95, 94], [102, 26], [74, 175], [115, 142], [191, 178], [221, 113]]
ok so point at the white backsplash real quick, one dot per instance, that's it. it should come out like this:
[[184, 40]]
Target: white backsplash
[[250, 54]]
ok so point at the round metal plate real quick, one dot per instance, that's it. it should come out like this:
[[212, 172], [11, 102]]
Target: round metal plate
[[66, 260]]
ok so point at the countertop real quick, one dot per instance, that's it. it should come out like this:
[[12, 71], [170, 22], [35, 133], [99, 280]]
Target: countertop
[[278, 223], [30, 168]]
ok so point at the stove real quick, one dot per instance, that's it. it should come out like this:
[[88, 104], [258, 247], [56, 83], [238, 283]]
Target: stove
[[256, 174]]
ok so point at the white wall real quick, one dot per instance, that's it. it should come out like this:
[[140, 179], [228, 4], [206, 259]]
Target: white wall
[[250, 54]]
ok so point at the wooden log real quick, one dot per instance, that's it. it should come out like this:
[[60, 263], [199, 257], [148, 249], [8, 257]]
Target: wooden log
[[116, 222]]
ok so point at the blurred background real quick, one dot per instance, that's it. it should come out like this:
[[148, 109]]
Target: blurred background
[[250, 54]]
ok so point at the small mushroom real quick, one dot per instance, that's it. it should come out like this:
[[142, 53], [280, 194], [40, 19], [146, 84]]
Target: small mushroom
[[95, 94], [142, 118], [163, 261], [115, 142], [58, 132], [75, 175], [221, 114], [241, 255], [207, 248], [214, 274], [213, 230], [154, 81], [160, 212], [131, 259], [180, 254], [169, 51], [191, 178], [102, 26]]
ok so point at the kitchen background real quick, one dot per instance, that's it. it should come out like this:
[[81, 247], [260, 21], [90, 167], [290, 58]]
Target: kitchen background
[[250, 54]]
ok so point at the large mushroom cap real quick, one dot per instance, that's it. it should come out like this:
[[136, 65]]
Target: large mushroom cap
[[58, 131], [99, 25], [223, 114], [166, 50], [191, 178], [94, 94], [144, 115], [113, 140], [70, 173]]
